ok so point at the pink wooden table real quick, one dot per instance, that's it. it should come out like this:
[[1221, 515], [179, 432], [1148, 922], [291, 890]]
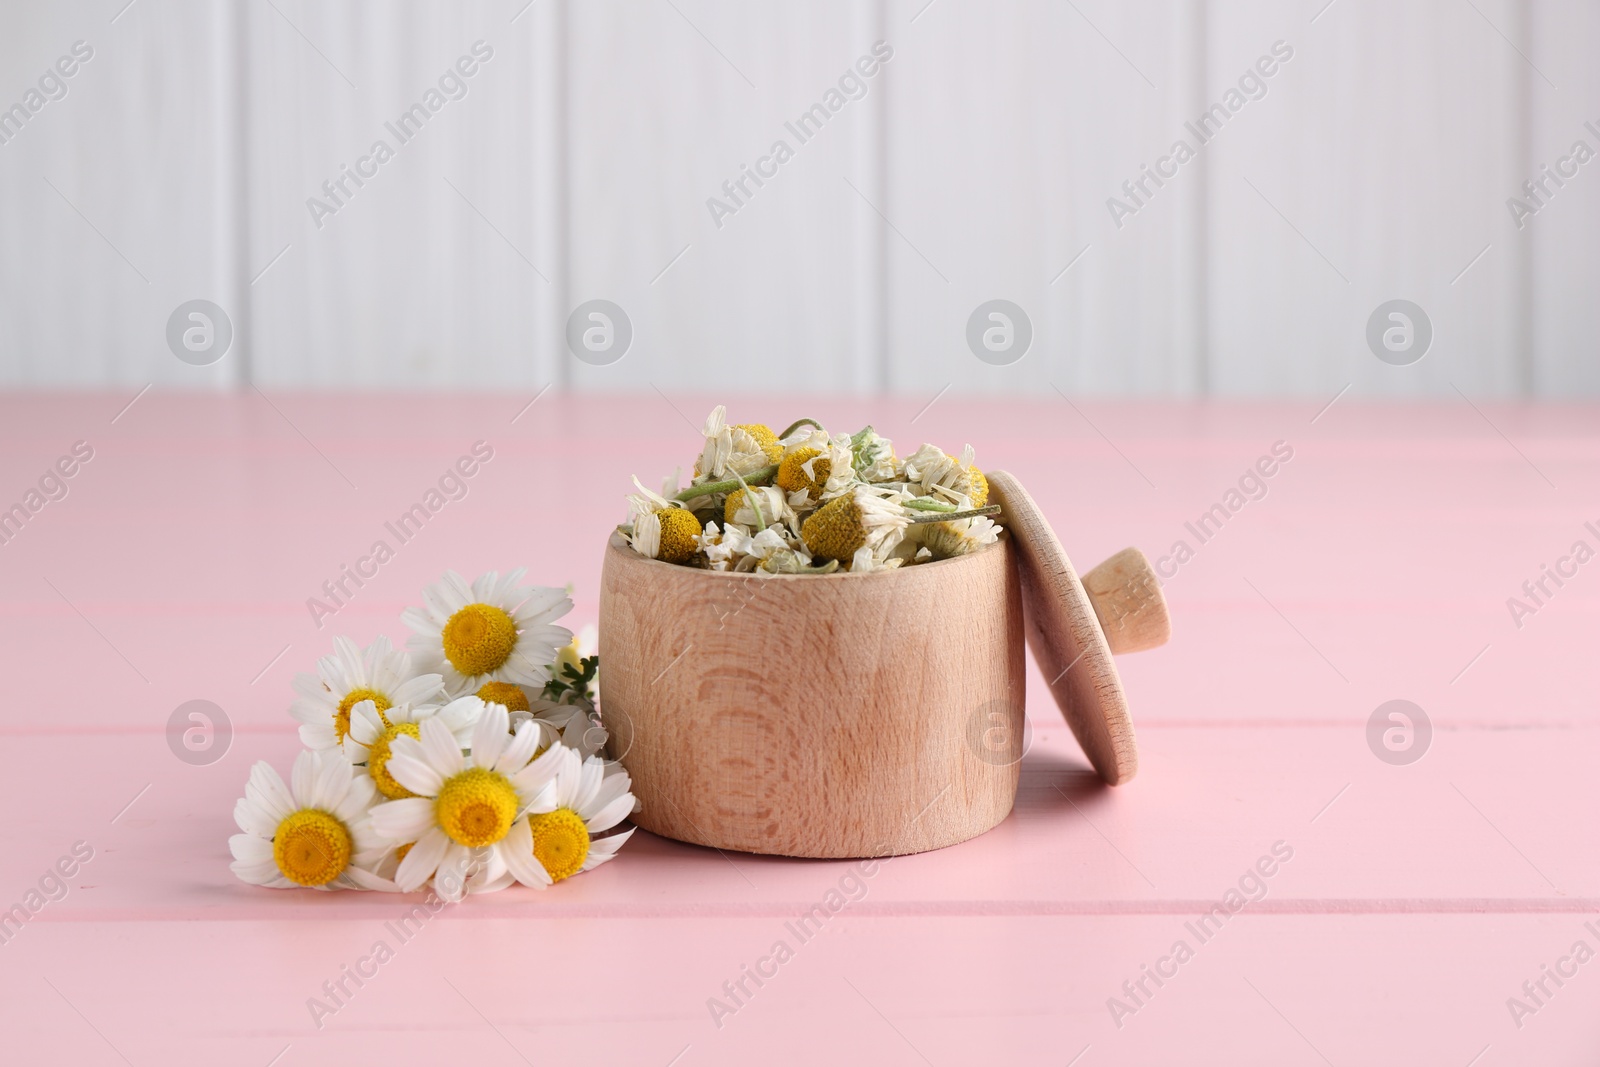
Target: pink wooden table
[[1418, 900]]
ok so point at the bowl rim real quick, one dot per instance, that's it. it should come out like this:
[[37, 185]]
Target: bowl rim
[[617, 542]]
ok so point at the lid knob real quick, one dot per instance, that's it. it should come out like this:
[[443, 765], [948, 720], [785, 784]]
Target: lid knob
[[1127, 600]]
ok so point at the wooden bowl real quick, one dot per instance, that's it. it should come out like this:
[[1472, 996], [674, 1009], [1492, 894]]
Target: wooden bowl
[[850, 715]]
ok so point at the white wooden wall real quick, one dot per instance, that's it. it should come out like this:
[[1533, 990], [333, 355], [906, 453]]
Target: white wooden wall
[[977, 166]]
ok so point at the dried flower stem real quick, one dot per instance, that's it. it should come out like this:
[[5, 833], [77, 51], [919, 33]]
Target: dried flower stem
[[756, 477], [946, 516], [797, 424]]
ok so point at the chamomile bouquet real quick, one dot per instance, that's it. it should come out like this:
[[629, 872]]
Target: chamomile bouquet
[[466, 762]]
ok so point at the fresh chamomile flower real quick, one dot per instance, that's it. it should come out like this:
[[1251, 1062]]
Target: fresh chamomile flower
[[575, 725], [371, 737], [956, 537], [475, 801], [382, 675], [863, 519], [490, 631], [313, 832], [590, 796]]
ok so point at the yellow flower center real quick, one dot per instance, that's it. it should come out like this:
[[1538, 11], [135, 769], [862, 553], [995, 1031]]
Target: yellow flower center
[[311, 847], [479, 639], [510, 696], [679, 528], [835, 530], [402, 852], [792, 478], [765, 439], [341, 718], [378, 760], [979, 487], [476, 807], [560, 842]]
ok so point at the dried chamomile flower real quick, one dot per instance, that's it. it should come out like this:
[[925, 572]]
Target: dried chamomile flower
[[931, 468], [790, 561], [800, 436], [731, 450], [741, 505], [763, 436], [845, 525], [804, 470], [679, 529], [875, 460], [761, 547], [956, 537], [662, 529], [805, 501]]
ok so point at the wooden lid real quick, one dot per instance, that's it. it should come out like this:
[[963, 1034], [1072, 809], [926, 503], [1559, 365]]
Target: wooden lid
[[1074, 625]]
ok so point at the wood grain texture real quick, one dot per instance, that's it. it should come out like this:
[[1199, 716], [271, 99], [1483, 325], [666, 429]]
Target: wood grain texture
[[1128, 603], [1067, 640], [849, 716]]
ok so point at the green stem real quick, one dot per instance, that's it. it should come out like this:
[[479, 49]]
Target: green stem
[[797, 424], [757, 477], [924, 503], [992, 509], [755, 505]]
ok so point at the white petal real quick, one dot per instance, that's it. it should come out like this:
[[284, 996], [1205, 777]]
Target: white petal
[[541, 802], [310, 686], [248, 848], [303, 779], [332, 782], [350, 659], [418, 690], [520, 750], [491, 736], [312, 710], [259, 873], [450, 880], [591, 773], [365, 725], [364, 879], [611, 814], [252, 818], [542, 771], [318, 736], [422, 860], [403, 820], [516, 848], [420, 622], [413, 773], [357, 800], [266, 790], [455, 591], [440, 749], [610, 789], [607, 846]]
